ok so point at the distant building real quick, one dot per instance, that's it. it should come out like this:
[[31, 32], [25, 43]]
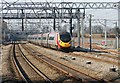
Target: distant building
[[3, 31]]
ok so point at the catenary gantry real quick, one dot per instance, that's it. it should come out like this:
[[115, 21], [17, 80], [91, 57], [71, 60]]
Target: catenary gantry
[[51, 10]]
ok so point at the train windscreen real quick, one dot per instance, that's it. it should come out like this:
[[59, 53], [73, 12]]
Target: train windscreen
[[65, 37]]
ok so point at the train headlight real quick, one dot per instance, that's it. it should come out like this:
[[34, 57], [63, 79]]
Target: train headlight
[[60, 42]]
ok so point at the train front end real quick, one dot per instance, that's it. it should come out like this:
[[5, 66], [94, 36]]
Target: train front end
[[64, 40]]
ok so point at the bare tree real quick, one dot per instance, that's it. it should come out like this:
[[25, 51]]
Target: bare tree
[[97, 29]]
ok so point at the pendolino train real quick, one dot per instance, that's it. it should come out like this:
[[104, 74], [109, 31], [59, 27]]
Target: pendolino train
[[59, 40]]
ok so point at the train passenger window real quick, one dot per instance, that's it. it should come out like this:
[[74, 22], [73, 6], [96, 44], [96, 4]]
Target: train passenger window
[[39, 38], [44, 38], [51, 38]]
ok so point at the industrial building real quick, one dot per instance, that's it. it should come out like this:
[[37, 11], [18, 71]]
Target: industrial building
[[4, 36]]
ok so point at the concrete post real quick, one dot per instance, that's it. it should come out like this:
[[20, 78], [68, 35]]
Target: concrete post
[[90, 32], [119, 14], [54, 22], [78, 26], [118, 37], [105, 33], [82, 31]]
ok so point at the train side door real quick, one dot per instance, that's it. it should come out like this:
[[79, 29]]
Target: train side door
[[41, 39], [47, 40]]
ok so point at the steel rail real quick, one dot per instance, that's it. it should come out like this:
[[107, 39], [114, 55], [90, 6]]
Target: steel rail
[[35, 68], [98, 59], [64, 68], [19, 68]]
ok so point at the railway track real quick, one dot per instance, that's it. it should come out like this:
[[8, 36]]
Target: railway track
[[19, 56], [109, 59], [64, 68], [110, 51], [102, 56]]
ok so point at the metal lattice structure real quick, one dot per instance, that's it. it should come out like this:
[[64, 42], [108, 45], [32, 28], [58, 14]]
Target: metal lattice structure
[[51, 10], [54, 10]]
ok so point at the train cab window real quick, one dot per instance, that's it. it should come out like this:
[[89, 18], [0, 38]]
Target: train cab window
[[65, 37]]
